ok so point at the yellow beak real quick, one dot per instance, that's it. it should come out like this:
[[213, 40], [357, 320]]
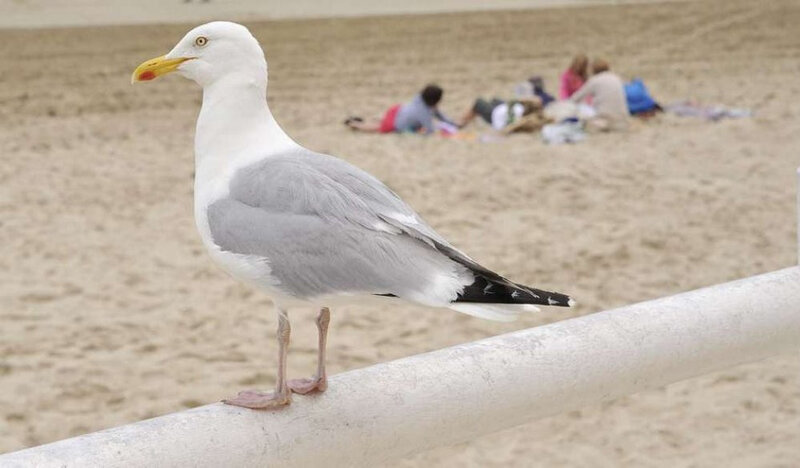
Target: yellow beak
[[153, 68]]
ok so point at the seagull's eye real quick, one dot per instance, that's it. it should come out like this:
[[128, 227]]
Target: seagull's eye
[[201, 41]]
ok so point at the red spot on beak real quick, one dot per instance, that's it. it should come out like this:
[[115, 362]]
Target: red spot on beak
[[147, 76]]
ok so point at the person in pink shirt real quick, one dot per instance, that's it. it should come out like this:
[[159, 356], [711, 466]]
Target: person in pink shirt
[[574, 77]]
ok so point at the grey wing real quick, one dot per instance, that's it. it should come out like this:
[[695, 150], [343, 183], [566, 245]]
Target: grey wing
[[380, 203], [326, 227], [311, 183]]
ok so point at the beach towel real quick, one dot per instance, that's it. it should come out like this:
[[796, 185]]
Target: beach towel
[[713, 113]]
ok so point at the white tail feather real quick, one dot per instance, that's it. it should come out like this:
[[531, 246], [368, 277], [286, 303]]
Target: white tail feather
[[496, 312]]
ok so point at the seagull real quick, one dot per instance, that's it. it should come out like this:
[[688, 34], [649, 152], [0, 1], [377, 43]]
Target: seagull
[[309, 229]]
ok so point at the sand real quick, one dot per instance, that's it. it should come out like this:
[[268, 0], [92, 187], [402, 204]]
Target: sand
[[112, 312], [57, 13]]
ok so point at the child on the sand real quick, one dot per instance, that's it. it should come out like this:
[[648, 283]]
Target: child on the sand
[[415, 116]]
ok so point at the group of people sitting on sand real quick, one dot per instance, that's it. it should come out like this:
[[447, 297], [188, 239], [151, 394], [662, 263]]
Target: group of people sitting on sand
[[601, 97], [604, 91]]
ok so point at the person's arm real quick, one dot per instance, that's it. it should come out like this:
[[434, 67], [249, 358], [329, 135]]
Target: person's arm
[[586, 90], [439, 115], [527, 123], [513, 127]]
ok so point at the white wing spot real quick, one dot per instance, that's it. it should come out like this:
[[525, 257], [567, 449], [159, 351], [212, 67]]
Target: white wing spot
[[550, 301], [515, 294], [385, 227], [405, 219]]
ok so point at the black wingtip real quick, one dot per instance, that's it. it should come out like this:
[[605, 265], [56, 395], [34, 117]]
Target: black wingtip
[[490, 291], [554, 298]]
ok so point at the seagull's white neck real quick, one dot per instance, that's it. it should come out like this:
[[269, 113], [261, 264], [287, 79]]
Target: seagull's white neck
[[235, 124]]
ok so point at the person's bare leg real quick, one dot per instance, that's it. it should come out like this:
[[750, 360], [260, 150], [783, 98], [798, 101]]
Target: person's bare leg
[[368, 127], [319, 382], [281, 396], [468, 117]]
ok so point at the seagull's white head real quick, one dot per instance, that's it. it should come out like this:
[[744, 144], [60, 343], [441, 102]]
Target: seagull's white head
[[209, 53]]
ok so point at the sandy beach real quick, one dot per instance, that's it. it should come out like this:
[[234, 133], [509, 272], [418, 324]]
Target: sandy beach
[[112, 312], [60, 13]]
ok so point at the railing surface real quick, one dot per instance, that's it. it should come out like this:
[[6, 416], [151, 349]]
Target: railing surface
[[456, 394]]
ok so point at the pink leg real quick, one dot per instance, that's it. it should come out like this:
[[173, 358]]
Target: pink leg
[[282, 396], [319, 382]]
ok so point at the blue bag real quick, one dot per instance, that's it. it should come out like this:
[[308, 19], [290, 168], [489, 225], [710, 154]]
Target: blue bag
[[639, 99]]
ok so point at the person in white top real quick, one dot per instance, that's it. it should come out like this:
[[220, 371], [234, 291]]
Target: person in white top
[[501, 114], [608, 98]]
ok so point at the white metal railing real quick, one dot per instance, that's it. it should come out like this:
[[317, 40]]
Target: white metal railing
[[456, 394]]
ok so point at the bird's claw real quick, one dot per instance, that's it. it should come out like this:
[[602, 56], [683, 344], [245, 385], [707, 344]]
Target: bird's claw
[[254, 399], [304, 386]]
